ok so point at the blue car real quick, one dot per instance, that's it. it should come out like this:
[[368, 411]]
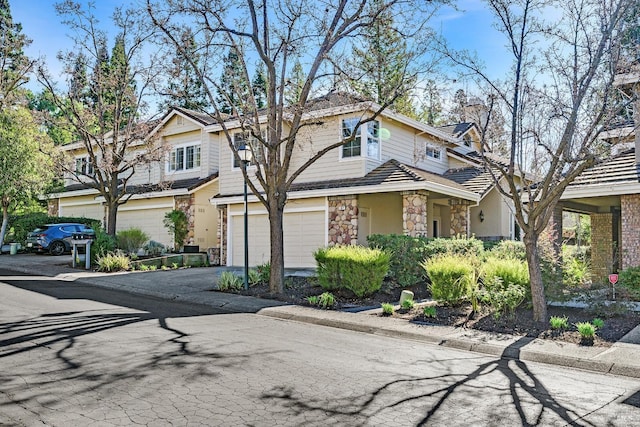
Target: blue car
[[56, 238]]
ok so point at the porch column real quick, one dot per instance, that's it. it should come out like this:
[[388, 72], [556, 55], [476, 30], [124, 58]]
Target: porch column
[[630, 236], [53, 207], [414, 213], [601, 246], [187, 205], [460, 219], [221, 234], [343, 220]]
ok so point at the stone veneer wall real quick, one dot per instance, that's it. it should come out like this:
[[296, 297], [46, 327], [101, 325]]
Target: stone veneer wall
[[53, 207], [221, 234], [630, 238], [414, 213], [459, 217], [601, 247], [343, 220], [187, 205]]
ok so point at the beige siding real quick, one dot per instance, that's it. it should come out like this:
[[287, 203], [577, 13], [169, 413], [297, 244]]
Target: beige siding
[[81, 206], [384, 212], [206, 217], [496, 216], [187, 138]]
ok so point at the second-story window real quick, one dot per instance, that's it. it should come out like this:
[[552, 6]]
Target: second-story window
[[434, 152], [84, 166], [370, 130], [184, 158], [245, 138]]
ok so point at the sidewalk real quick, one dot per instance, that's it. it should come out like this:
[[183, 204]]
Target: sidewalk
[[195, 285]]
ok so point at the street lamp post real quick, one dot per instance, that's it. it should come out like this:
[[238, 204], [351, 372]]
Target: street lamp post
[[245, 154]]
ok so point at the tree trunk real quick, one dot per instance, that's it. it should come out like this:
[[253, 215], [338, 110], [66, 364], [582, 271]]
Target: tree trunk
[[276, 214], [535, 276], [112, 214]]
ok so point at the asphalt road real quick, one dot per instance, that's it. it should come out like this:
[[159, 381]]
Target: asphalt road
[[75, 355]]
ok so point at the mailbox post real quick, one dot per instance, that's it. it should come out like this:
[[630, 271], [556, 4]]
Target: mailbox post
[[82, 240]]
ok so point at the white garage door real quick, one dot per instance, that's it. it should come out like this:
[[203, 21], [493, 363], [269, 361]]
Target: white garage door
[[148, 220], [304, 232], [95, 211]]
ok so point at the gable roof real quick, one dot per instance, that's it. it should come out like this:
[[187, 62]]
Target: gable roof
[[458, 129], [619, 169], [477, 179]]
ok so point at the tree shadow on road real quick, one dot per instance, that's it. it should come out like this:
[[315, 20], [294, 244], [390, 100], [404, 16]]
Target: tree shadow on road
[[530, 399]]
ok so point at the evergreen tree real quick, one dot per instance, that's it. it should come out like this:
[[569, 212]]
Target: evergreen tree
[[184, 89], [382, 61], [431, 108], [14, 64], [234, 89], [295, 84], [260, 87]]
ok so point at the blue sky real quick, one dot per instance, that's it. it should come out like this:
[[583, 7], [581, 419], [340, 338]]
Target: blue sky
[[468, 27]]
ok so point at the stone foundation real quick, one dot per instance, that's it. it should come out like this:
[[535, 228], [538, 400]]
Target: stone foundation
[[414, 213], [221, 234], [601, 247], [53, 207], [343, 220], [630, 237]]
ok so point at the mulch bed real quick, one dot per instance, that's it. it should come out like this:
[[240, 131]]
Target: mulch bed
[[520, 323]]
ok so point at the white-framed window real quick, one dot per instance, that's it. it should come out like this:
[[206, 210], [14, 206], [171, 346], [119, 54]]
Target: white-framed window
[[434, 152], [184, 158], [84, 166], [466, 140], [371, 132], [243, 139]]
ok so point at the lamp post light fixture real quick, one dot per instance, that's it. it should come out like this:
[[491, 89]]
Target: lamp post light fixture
[[481, 216], [245, 154]]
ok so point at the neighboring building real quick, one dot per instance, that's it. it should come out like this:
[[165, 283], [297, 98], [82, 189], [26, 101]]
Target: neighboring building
[[610, 193], [399, 176]]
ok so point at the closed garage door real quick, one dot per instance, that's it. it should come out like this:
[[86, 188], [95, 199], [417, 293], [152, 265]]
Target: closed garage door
[[304, 232], [148, 220]]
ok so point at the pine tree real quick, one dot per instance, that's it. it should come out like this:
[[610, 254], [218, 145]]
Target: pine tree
[[295, 84], [13, 62], [234, 89], [184, 89], [260, 87], [431, 108], [382, 62]]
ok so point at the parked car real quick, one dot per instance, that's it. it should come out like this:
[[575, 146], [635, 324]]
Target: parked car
[[56, 238]]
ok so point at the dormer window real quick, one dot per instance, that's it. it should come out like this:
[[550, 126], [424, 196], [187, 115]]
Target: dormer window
[[466, 140], [370, 130], [434, 152]]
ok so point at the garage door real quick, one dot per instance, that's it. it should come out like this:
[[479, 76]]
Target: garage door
[[148, 220], [304, 232], [94, 210]]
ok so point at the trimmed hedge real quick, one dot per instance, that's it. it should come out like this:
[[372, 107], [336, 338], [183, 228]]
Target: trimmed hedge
[[509, 270], [355, 268], [406, 255]]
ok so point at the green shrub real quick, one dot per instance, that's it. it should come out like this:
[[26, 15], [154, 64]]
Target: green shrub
[[264, 270], [509, 270], [101, 245], [154, 248], [509, 249], [326, 300], [598, 323], [459, 245], [451, 276], [313, 299], [587, 330], [406, 254], [387, 308], [557, 322], [113, 261], [131, 240], [229, 281], [430, 312], [408, 304], [629, 282], [502, 298], [355, 268], [177, 223], [254, 277]]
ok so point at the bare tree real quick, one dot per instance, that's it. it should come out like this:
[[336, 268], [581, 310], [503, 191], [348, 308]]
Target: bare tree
[[104, 104], [558, 94], [275, 34]]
